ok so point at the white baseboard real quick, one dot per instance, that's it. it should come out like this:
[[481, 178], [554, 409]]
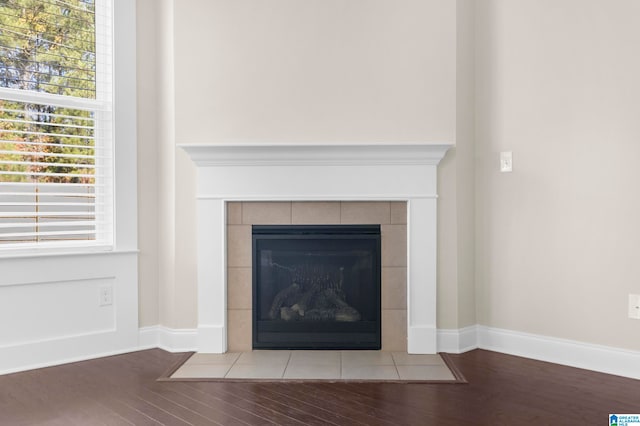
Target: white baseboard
[[63, 350], [589, 356], [169, 339], [148, 337], [68, 360], [600, 358], [457, 341], [47, 353]]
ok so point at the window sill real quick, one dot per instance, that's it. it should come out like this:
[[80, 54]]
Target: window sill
[[76, 251]]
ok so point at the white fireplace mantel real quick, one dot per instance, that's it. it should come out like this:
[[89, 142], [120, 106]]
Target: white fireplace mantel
[[317, 172]]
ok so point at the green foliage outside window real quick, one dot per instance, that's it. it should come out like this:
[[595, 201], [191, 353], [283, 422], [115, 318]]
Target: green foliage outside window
[[47, 46]]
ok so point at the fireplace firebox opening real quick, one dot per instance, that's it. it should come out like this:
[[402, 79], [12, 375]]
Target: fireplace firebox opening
[[316, 287]]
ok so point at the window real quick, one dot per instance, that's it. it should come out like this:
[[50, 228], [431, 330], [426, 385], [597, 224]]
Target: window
[[56, 125]]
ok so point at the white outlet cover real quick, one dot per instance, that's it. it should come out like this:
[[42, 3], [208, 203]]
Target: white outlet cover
[[506, 161], [106, 296]]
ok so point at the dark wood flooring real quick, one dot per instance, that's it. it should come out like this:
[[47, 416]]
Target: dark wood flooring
[[502, 390]]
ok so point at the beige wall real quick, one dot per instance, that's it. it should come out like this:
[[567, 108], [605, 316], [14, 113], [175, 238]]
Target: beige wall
[[147, 48], [288, 70], [167, 285], [558, 239], [456, 190], [465, 164], [315, 70]]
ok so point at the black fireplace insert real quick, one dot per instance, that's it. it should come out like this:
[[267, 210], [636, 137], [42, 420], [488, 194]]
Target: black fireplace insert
[[316, 287]]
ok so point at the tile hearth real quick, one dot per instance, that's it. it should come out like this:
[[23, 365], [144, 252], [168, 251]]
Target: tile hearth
[[315, 365]]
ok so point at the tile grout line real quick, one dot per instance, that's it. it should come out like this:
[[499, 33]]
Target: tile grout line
[[395, 365], [232, 364], [287, 364]]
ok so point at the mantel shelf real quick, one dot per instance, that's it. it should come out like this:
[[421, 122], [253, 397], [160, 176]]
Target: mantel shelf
[[270, 154]]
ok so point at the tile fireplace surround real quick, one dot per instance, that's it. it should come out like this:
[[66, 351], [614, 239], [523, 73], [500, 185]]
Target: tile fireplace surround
[[392, 218], [403, 172]]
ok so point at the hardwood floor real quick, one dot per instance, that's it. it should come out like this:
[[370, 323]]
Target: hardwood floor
[[502, 390]]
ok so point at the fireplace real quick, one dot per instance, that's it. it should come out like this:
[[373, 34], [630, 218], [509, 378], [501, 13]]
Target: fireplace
[[316, 287], [309, 172]]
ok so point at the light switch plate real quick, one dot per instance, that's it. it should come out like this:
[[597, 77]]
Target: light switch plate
[[634, 306], [506, 161]]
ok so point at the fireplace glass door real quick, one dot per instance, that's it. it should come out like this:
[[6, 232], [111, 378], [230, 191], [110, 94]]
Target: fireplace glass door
[[316, 287]]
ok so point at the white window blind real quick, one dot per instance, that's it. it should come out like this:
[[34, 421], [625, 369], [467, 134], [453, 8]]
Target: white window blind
[[56, 168]]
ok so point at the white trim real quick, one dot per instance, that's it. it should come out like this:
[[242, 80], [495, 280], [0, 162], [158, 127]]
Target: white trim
[[168, 339], [66, 349], [89, 251], [212, 338], [125, 151], [34, 344], [67, 360], [148, 337], [457, 341], [421, 339], [27, 96], [327, 171], [605, 359], [177, 340], [21, 271], [301, 154], [276, 197], [572, 353]]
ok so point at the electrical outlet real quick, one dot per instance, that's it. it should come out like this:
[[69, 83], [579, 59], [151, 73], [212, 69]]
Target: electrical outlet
[[634, 306], [106, 296], [506, 161]]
